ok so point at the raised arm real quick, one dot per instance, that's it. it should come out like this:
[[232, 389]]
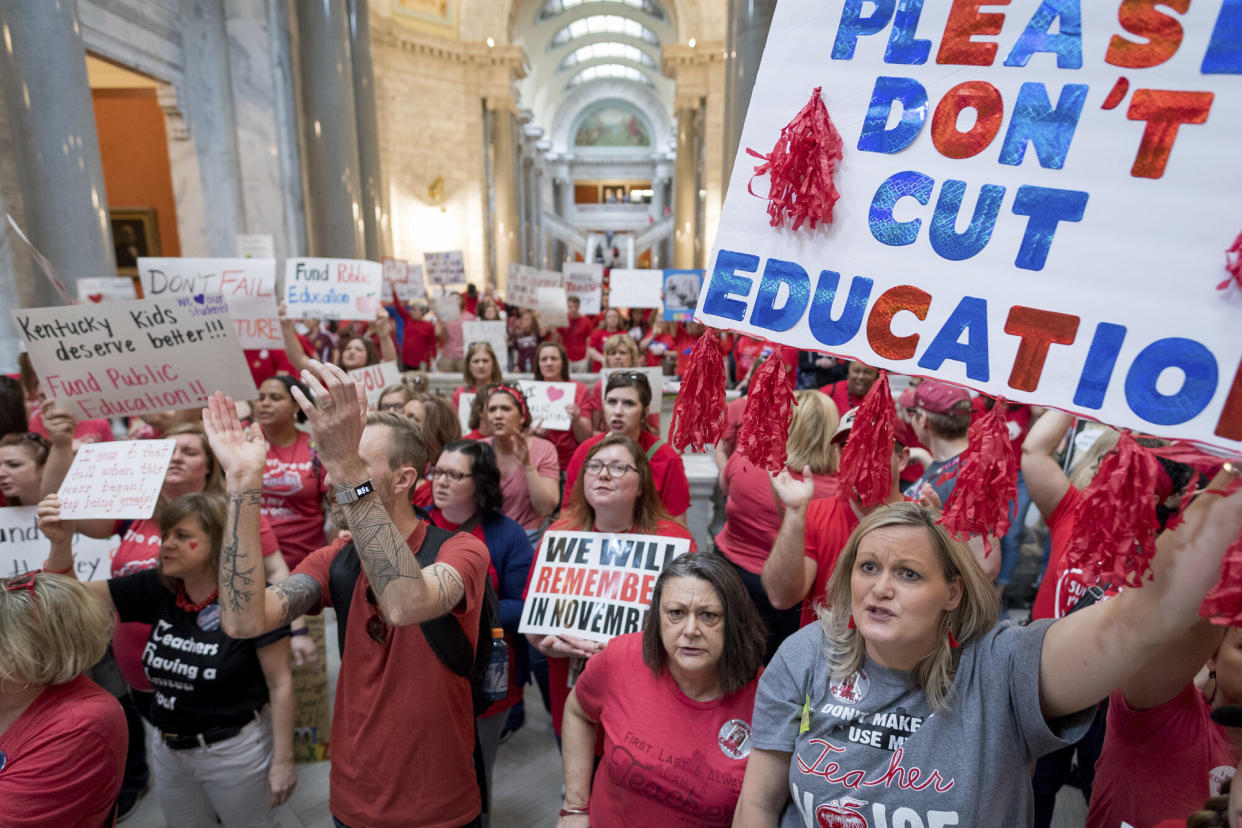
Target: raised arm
[[59, 534], [1088, 653], [384, 330], [293, 349], [788, 574], [1045, 481], [60, 425]]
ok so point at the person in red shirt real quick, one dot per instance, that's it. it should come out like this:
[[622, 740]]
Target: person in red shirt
[[657, 343], [265, 363], [673, 702], [575, 335], [613, 324], [418, 336], [551, 365], [294, 483], [620, 351], [62, 738], [625, 412], [849, 392]]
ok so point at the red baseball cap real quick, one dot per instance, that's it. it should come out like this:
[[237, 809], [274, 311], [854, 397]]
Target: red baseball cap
[[941, 398]]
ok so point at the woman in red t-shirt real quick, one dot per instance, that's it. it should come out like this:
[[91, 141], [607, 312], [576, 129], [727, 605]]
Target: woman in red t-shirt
[[481, 369], [657, 343], [615, 493], [294, 481], [612, 324], [551, 365]]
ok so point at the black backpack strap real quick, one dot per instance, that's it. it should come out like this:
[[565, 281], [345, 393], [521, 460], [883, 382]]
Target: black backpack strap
[[343, 575], [444, 634]]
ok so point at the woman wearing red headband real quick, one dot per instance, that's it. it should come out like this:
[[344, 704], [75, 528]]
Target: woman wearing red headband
[[529, 471]]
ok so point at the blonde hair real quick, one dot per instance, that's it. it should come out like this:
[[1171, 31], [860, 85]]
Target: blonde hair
[[815, 420], [622, 342], [53, 635], [975, 614], [1084, 469]]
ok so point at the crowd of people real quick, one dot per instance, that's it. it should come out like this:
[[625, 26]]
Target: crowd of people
[[823, 661]]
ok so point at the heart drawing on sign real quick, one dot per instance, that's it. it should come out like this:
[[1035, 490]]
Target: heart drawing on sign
[[365, 305], [95, 297], [555, 394], [200, 298]]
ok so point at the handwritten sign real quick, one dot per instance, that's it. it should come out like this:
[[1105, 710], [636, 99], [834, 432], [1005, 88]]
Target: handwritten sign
[[332, 288], [447, 307], [1040, 212], [394, 270], [255, 246], [635, 288], [465, 402], [247, 285], [681, 294], [105, 288], [24, 548], [595, 585], [121, 479], [375, 378], [522, 288], [413, 287], [493, 333], [134, 357], [547, 401], [552, 307], [585, 280], [447, 268]]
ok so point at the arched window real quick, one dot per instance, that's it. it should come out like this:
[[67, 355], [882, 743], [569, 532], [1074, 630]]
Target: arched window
[[609, 70], [607, 49], [603, 24], [552, 8]]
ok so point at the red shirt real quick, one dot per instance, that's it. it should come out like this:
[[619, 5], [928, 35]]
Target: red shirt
[[829, 523], [598, 336], [403, 723], [64, 758], [265, 363], [423, 495], [293, 489], [1062, 587], [574, 337], [516, 489], [666, 469], [903, 432], [733, 419], [418, 342], [657, 348], [1159, 763], [747, 349], [839, 392], [753, 512], [656, 739]]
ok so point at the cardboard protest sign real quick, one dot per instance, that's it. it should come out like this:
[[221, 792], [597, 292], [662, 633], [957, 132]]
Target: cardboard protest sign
[[120, 479], [547, 401], [23, 547], [375, 378], [394, 270], [105, 289], [681, 294], [493, 333], [247, 285], [1034, 202], [595, 585], [127, 358], [255, 246], [635, 288], [332, 288], [522, 288], [464, 403], [447, 268], [553, 304], [586, 281], [413, 287]]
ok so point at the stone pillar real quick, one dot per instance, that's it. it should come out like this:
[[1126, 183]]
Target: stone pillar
[[748, 32], [375, 218], [685, 193], [329, 124], [47, 102], [504, 185]]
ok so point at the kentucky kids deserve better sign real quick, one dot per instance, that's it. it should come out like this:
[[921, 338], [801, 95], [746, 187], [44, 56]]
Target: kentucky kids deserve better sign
[[1036, 198]]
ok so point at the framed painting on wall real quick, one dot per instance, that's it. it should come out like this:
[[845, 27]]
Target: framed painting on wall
[[135, 233]]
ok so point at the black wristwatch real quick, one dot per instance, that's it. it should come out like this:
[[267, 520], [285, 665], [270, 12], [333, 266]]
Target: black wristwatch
[[352, 494]]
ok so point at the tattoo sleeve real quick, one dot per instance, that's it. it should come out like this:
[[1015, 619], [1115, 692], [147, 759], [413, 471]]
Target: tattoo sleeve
[[384, 553], [238, 583], [298, 594]]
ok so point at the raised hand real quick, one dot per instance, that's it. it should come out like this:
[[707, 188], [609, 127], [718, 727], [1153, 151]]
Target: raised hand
[[59, 422], [794, 493], [337, 417], [239, 451], [53, 528]]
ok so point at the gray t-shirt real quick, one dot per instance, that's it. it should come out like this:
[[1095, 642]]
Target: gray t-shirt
[[870, 750]]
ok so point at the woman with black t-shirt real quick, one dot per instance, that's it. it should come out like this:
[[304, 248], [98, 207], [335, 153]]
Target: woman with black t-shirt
[[218, 751]]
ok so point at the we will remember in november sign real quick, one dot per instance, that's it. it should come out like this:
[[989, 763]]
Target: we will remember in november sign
[[595, 585], [123, 358], [1036, 200], [332, 288], [24, 548], [120, 479], [247, 285]]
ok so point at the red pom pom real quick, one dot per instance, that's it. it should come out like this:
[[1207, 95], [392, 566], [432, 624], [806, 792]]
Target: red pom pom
[[699, 413], [987, 482], [1116, 518], [866, 469], [801, 166], [1233, 264], [769, 408]]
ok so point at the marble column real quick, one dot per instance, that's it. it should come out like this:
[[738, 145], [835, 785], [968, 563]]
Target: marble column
[[685, 191], [286, 116], [47, 101], [330, 133], [504, 183], [374, 195], [747, 33]]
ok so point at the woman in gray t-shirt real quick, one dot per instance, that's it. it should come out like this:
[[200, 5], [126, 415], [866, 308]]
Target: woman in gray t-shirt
[[877, 717]]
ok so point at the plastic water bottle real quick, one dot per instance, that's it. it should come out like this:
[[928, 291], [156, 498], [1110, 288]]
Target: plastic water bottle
[[496, 681]]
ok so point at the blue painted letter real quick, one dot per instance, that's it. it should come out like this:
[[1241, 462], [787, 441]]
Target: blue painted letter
[[833, 332], [854, 25], [1197, 364], [727, 283], [969, 317], [1047, 207], [885, 228], [775, 274], [888, 91], [1049, 130], [945, 239]]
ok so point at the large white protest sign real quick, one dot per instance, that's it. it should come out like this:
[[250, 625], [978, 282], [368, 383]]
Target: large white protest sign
[[493, 333], [446, 268], [413, 287], [255, 246], [247, 285], [547, 401], [595, 585], [375, 378], [447, 306], [23, 548], [635, 288], [120, 479], [127, 358], [1060, 242], [522, 287], [332, 288], [553, 306], [585, 280], [394, 270], [105, 288]]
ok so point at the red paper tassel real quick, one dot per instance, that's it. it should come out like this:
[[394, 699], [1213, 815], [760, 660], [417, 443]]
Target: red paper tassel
[[1223, 605], [953, 642], [1116, 518], [801, 166], [699, 413], [1233, 264], [987, 482], [866, 470], [769, 408]]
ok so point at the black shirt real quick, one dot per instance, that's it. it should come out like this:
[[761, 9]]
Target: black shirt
[[202, 678]]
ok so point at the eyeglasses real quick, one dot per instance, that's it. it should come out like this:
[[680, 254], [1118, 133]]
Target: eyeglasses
[[615, 469], [397, 407], [455, 476], [377, 627]]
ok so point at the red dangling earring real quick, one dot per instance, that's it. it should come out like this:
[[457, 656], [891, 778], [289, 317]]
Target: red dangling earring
[[851, 624], [953, 643]]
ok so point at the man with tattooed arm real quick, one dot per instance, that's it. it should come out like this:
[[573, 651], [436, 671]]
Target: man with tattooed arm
[[402, 728]]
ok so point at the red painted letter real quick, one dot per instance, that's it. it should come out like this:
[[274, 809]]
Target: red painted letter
[[980, 96], [1038, 329], [1164, 111], [965, 20], [1230, 424], [1141, 19], [879, 323]]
